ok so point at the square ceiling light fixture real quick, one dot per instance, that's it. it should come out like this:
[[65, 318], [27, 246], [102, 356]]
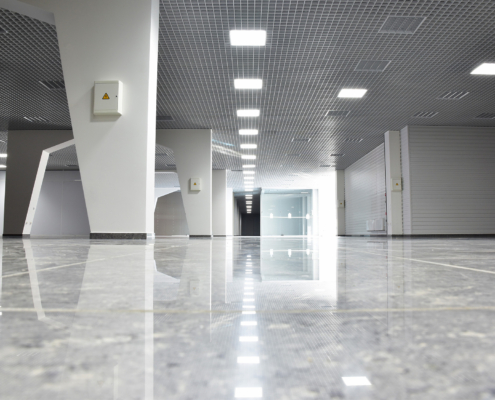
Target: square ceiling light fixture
[[248, 83], [247, 38], [248, 146], [248, 131], [352, 93], [248, 157], [484, 69], [248, 113]]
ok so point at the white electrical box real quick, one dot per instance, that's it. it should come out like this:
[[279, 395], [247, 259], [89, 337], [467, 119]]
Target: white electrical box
[[341, 204], [108, 98], [375, 224], [195, 184], [397, 185]]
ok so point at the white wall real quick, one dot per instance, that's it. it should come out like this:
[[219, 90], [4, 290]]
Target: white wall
[[192, 153], [2, 199], [61, 209], [448, 179], [237, 219], [219, 202], [365, 192], [229, 200]]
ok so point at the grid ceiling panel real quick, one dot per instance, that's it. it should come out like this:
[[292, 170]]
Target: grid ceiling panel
[[313, 48]]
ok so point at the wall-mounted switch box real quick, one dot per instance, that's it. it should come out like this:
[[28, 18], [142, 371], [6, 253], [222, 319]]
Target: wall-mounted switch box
[[195, 184], [108, 98], [341, 204], [397, 185]]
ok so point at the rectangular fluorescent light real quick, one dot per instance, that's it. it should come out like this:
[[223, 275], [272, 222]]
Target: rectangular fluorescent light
[[5, 155], [249, 202], [248, 177], [250, 392], [3, 166], [248, 146], [248, 172], [244, 166], [248, 157], [248, 338], [356, 381], [248, 360], [248, 83], [248, 300], [248, 113], [249, 323], [352, 93], [246, 190], [248, 131], [484, 69], [247, 38]]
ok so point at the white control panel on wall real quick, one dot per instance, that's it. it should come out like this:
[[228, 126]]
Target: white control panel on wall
[[108, 98], [195, 184], [397, 185]]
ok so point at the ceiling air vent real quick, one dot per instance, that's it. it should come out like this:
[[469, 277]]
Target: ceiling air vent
[[53, 85], [337, 113], [301, 140], [353, 140], [452, 95], [161, 154], [372, 66], [36, 119], [236, 170], [164, 118], [486, 116], [72, 165], [425, 114], [336, 155], [325, 166], [171, 165], [401, 25]]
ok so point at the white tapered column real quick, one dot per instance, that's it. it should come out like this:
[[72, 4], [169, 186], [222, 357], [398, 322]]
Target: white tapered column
[[393, 178]]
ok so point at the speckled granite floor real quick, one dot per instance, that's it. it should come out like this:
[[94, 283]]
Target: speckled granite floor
[[224, 318]]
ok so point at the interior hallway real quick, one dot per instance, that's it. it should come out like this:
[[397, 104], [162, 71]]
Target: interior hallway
[[281, 318]]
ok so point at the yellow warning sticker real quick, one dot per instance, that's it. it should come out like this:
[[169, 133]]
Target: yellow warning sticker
[[106, 97]]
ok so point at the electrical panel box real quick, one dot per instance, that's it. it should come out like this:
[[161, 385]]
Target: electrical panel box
[[108, 98], [397, 185], [375, 224], [195, 184]]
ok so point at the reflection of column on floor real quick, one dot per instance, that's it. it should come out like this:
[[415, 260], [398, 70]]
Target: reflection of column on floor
[[219, 267], [117, 287], [341, 256], [396, 281], [328, 261]]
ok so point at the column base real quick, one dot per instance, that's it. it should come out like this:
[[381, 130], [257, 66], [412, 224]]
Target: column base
[[133, 236], [199, 236]]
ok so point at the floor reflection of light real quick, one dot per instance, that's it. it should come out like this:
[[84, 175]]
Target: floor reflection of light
[[289, 252], [356, 381], [244, 306], [248, 279], [249, 312], [243, 392], [248, 360], [271, 252], [248, 294], [248, 338], [248, 300], [249, 323]]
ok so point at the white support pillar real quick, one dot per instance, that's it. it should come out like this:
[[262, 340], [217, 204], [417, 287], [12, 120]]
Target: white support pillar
[[340, 201], [393, 177], [230, 211], [112, 40], [192, 153], [219, 202]]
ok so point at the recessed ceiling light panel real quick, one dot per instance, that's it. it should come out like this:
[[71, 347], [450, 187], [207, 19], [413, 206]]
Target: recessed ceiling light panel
[[248, 157], [248, 131], [248, 113], [248, 83], [484, 69], [401, 25], [247, 38], [248, 146], [352, 93], [249, 166]]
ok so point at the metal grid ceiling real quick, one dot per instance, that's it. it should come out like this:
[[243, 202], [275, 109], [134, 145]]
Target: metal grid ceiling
[[312, 51]]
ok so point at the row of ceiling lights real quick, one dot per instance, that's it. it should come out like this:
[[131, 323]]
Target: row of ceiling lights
[[258, 38]]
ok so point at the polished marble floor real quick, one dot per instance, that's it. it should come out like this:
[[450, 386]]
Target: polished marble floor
[[273, 318]]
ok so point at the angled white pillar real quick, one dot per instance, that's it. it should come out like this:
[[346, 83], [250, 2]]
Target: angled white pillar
[[219, 203], [393, 179], [110, 40], [192, 153], [340, 201]]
